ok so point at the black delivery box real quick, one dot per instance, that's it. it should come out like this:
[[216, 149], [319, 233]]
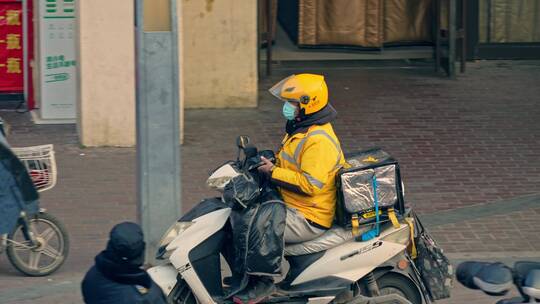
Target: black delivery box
[[355, 183]]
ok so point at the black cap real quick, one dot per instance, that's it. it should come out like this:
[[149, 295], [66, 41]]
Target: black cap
[[126, 244]]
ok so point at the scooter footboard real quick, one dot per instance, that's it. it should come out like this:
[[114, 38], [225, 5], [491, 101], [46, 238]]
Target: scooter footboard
[[165, 276]]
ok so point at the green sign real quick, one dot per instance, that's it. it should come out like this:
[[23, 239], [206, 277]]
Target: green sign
[[54, 62], [56, 77], [59, 9]]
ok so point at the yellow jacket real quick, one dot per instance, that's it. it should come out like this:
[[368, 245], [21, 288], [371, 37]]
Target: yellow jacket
[[305, 172]]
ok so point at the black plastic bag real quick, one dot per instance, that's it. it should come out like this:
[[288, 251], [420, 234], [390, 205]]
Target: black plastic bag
[[241, 192], [435, 269], [258, 240], [258, 237]]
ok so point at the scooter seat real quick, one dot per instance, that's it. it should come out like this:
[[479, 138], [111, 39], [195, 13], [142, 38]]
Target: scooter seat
[[330, 239]]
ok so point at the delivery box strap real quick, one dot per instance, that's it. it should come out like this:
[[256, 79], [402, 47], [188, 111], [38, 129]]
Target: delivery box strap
[[412, 248], [393, 218], [355, 225]]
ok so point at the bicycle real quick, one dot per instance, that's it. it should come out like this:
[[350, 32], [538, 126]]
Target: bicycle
[[37, 243]]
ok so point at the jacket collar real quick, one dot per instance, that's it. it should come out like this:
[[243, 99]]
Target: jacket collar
[[122, 273], [303, 123]]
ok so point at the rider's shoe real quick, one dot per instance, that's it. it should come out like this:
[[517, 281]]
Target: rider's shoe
[[259, 288]]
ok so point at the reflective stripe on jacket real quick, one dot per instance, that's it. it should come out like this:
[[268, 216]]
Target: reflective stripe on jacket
[[305, 172]]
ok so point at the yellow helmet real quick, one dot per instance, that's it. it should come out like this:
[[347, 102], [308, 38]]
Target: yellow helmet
[[309, 90]]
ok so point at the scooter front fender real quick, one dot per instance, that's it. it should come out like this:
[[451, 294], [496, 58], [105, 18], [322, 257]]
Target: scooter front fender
[[164, 276]]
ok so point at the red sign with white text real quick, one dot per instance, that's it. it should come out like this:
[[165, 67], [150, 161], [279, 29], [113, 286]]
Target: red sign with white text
[[11, 47]]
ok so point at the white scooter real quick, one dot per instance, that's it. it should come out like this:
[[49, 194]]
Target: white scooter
[[334, 268]]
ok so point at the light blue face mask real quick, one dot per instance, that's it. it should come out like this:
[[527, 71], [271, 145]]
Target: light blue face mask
[[289, 110]]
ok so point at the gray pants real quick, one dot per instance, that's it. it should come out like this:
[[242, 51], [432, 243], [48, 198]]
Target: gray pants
[[297, 228]]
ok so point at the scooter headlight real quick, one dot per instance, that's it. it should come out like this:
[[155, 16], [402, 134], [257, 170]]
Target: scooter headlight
[[170, 235], [173, 232]]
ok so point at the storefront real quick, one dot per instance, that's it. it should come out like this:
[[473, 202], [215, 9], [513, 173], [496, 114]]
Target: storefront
[[400, 29], [46, 83], [361, 30], [503, 29]]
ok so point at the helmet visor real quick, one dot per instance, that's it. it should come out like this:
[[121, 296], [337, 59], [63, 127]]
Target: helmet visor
[[278, 88]]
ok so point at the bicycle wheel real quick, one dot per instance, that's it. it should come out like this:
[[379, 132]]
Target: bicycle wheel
[[47, 255]]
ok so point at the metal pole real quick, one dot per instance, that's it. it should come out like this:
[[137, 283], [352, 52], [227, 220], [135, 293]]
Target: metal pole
[[139, 62], [158, 127], [260, 37], [488, 18], [437, 8], [463, 35], [452, 38]]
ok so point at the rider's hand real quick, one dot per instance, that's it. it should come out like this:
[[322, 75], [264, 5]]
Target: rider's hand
[[266, 167]]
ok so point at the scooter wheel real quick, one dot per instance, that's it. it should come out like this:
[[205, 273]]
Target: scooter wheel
[[391, 283], [47, 255]]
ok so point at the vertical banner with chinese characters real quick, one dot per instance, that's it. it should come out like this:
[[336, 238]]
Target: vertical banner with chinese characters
[[11, 47], [57, 57]]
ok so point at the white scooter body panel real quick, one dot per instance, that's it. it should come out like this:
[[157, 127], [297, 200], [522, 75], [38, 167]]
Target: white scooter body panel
[[164, 276], [203, 227], [196, 285], [352, 260]]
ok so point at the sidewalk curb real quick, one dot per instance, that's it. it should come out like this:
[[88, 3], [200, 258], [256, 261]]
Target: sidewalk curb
[[38, 291], [508, 257], [480, 211]]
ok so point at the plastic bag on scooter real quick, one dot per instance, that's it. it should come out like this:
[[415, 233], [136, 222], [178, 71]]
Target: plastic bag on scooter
[[241, 192], [435, 269], [258, 238]]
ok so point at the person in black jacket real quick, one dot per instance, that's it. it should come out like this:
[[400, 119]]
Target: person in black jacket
[[117, 276]]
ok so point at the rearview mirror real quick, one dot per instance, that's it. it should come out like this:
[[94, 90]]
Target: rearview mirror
[[242, 141]]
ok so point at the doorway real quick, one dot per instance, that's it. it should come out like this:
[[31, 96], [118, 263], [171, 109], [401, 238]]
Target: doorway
[[312, 30], [503, 29]]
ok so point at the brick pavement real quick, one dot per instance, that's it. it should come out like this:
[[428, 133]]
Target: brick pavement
[[471, 141], [514, 231]]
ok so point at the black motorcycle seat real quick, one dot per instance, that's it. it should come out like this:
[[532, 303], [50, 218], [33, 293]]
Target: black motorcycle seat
[[531, 286], [521, 271], [523, 268], [330, 239], [494, 279]]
